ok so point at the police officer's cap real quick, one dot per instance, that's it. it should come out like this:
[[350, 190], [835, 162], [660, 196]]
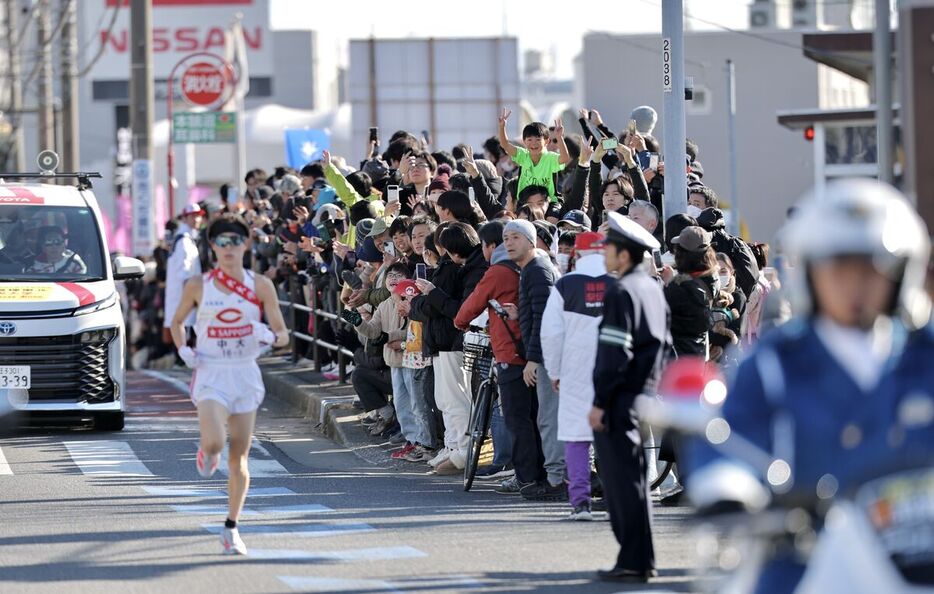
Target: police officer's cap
[[622, 229]]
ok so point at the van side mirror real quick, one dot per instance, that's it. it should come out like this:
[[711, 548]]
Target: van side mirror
[[128, 268]]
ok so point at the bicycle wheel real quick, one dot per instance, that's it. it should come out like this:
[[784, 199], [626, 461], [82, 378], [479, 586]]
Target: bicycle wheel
[[663, 473], [480, 414]]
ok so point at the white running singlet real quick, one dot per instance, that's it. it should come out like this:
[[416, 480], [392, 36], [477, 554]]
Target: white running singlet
[[227, 348]]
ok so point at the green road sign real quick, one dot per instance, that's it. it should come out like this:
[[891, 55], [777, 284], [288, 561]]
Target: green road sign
[[204, 128]]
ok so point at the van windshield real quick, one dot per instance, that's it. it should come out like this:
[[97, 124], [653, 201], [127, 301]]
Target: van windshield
[[49, 244]]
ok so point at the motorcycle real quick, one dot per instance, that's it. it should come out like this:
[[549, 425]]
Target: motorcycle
[[877, 537]]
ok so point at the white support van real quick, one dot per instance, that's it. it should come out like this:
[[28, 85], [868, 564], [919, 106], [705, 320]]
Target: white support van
[[62, 334]]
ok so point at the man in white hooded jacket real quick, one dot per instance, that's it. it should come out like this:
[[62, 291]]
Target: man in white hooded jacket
[[570, 327]]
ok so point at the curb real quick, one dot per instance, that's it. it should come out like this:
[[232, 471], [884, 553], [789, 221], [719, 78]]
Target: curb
[[329, 406]]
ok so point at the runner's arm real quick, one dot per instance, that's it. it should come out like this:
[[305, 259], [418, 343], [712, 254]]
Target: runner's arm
[[267, 295], [191, 296]]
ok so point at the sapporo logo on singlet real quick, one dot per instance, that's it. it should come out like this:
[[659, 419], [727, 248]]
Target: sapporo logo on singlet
[[229, 332]]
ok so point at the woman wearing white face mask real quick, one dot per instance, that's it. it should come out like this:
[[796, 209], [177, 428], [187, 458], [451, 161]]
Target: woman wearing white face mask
[[728, 309]]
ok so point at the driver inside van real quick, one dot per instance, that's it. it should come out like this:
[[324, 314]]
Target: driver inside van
[[53, 255]]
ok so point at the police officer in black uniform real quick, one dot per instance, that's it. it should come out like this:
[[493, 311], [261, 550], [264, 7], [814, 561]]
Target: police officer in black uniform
[[634, 336]]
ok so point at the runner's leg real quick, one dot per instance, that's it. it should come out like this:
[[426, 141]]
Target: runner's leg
[[212, 416], [241, 437]]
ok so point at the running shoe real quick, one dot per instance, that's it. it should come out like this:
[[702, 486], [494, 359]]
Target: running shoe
[[489, 473], [401, 454], [206, 470], [442, 455], [581, 513], [511, 486], [233, 544], [419, 454]]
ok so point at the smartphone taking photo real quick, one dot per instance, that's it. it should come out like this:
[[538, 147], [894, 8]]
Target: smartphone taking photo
[[421, 271], [392, 194], [498, 308], [610, 144]]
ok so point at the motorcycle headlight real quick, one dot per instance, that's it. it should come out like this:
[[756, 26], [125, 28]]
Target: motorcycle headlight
[[97, 305]]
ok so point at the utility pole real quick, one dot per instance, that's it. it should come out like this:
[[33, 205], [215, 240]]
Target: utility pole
[[731, 130], [71, 159], [916, 65], [141, 115], [676, 191], [46, 97], [18, 143], [882, 63]]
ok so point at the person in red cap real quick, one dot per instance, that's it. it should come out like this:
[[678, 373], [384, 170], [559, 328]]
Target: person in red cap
[[570, 327], [184, 263]]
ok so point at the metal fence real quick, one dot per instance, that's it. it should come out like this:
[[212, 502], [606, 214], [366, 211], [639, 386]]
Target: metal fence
[[291, 308]]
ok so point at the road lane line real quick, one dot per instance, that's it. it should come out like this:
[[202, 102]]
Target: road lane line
[[4, 465], [371, 554], [106, 458], [222, 509], [295, 529], [216, 493]]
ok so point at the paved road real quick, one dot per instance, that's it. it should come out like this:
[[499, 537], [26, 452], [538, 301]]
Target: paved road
[[86, 511]]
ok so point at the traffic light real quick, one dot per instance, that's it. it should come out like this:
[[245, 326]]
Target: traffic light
[[809, 133]]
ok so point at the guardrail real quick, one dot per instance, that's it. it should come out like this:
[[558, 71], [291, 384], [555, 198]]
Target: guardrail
[[290, 313]]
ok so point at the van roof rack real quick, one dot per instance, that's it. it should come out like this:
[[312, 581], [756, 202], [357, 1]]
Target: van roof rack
[[83, 177]]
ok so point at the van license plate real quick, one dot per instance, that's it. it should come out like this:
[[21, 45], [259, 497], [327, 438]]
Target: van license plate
[[16, 377]]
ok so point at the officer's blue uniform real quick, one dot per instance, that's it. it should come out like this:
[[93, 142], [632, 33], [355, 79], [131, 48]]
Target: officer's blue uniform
[[634, 335], [791, 398]]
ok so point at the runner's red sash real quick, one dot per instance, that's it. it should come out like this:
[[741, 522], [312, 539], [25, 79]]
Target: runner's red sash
[[237, 287]]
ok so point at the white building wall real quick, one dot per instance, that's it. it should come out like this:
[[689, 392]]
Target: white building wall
[[774, 165]]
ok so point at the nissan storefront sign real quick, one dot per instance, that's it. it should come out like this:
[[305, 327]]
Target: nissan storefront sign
[[179, 28]]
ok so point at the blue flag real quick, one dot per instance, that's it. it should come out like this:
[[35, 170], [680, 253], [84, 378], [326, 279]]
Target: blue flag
[[303, 145]]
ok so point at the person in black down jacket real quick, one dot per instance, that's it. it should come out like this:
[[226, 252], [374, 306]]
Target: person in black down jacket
[[691, 292], [744, 261], [461, 268], [535, 282]]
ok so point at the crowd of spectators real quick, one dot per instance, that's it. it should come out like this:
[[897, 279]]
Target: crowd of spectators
[[410, 245]]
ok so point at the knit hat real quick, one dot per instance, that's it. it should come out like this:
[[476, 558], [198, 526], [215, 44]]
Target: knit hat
[[645, 117], [439, 183], [522, 226]]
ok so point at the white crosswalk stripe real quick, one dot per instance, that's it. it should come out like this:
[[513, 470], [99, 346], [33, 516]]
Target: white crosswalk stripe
[[323, 584], [283, 509], [370, 554], [216, 493], [4, 465], [106, 458], [261, 462], [326, 584], [311, 530]]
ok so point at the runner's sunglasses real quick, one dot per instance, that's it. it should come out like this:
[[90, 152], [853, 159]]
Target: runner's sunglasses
[[223, 241]]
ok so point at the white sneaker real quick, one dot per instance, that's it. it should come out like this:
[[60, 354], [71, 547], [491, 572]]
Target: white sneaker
[[443, 455], [208, 469], [459, 459], [232, 543]]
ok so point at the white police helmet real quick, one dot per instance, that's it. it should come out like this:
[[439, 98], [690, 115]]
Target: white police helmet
[[860, 217]]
